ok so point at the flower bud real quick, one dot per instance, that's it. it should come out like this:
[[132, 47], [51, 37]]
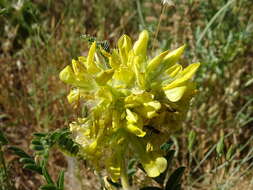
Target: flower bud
[[140, 46]]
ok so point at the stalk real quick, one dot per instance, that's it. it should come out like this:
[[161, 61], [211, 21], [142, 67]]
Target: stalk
[[124, 177], [158, 26]]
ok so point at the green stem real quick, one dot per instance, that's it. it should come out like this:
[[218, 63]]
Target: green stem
[[140, 14], [124, 177], [125, 183]]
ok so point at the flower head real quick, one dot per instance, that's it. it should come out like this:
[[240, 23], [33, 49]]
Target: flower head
[[129, 96]]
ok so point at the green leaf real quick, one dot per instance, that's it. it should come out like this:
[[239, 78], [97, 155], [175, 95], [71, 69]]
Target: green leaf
[[174, 180], [64, 133], [47, 176], [41, 153], [131, 163], [169, 156], [33, 167], [131, 172], [54, 136], [62, 141], [37, 147], [74, 150], [69, 144], [65, 142], [27, 160], [166, 146], [19, 152], [48, 187], [36, 142], [60, 181]]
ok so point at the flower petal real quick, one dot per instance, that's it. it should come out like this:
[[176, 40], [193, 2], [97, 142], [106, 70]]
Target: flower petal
[[155, 167], [67, 75], [91, 65], [173, 56], [104, 76], [184, 76], [131, 116], [176, 93], [174, 70], [135, 130], [155, 62]]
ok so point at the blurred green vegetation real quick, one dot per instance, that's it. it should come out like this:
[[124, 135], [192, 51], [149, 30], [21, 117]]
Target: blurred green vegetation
[[38, 38]]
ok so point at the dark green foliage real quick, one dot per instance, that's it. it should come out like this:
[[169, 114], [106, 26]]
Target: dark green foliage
[[61, 138], [131, 170], [169, 155], [60, 181], [27, 160], [20, 152], [33, 167], [166, 146], [47, 176], [173, 182], [41, 144]]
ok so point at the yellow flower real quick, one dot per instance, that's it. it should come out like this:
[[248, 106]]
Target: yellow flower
[[126, 93]]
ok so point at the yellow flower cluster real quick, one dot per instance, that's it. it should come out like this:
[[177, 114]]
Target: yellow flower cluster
[[134, 103]]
